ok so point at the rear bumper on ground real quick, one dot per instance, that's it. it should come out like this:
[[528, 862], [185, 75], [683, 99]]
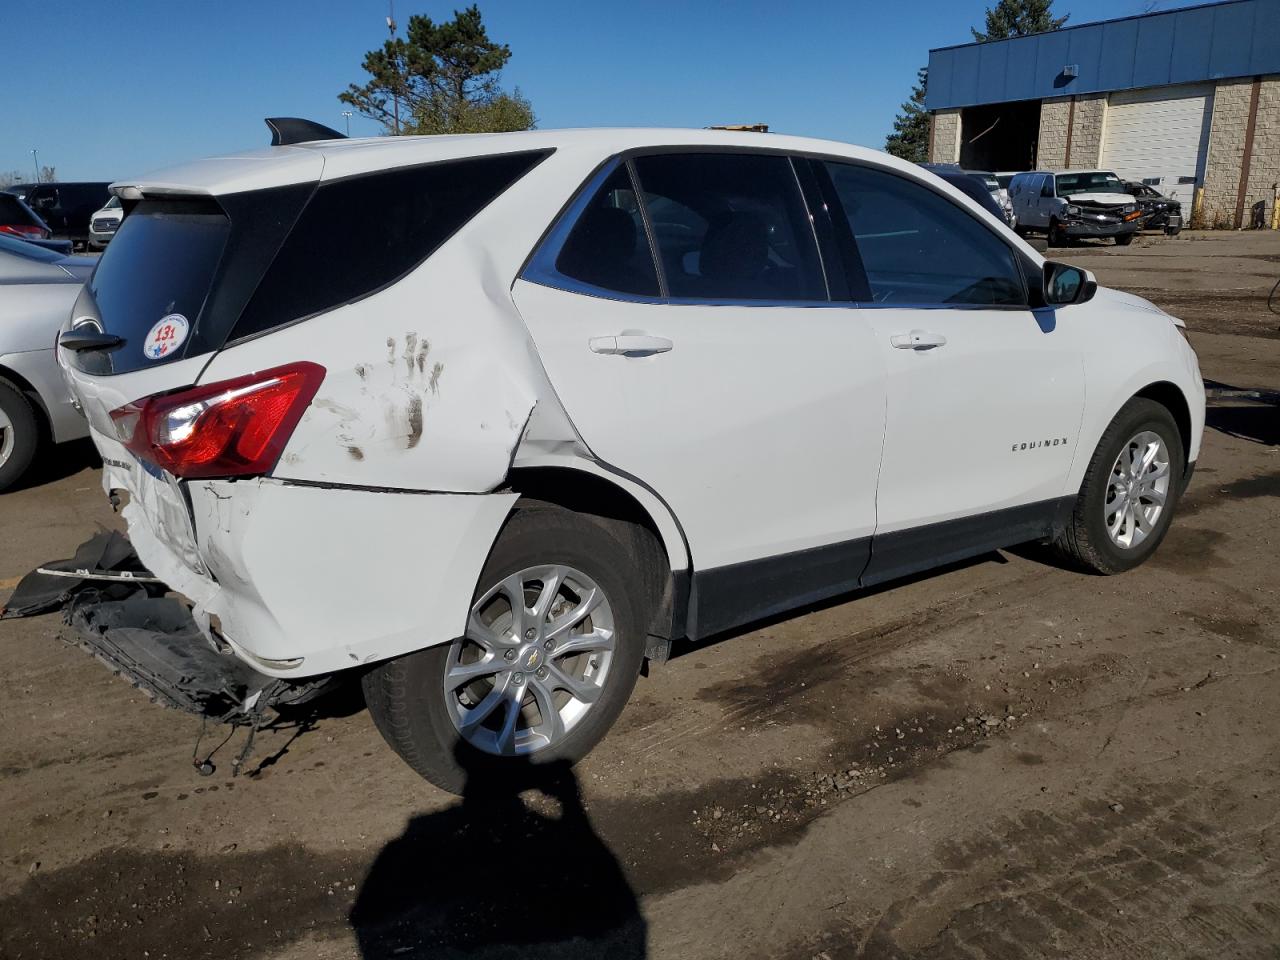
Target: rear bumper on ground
[[305, 580]]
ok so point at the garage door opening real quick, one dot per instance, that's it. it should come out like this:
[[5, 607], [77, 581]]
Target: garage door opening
[[1000, 136]]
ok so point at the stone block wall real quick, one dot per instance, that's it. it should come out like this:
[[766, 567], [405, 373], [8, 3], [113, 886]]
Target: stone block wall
[[1051, 151], [1086, 130], [1264, 166], [944, 141], [1227, 133]]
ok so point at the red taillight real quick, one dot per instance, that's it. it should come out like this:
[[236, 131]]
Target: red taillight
[[26, 231], [233, 428]]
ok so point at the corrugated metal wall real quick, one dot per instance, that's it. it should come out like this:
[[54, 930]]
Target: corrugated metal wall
[[1240, 38]]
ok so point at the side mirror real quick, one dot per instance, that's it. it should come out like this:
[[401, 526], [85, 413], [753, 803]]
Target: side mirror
[[1065, 285]]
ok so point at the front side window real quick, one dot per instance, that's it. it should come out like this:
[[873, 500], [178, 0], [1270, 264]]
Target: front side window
[[731, 226], [919, 248]]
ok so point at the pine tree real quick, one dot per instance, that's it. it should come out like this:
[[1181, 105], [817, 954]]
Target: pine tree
[[910, 137], [441, 78], [1018, 18]]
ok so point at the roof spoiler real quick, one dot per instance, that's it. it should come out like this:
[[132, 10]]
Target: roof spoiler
[[287, 130]]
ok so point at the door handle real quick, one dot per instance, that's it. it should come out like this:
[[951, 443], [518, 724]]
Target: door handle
[[918, 340], [630, 344]]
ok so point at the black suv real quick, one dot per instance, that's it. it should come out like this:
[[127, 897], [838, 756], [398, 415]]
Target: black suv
[[65, 207]]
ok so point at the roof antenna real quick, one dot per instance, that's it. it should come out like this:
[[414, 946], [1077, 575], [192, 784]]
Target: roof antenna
[[287, 130]]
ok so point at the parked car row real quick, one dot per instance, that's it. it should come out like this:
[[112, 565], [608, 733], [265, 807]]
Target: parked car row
[[38, 288], [638, 338], [64, 209]]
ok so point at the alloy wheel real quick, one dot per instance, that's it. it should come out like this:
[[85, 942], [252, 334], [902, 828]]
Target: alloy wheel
[[534, 660], [1137, 490], [6, 438]]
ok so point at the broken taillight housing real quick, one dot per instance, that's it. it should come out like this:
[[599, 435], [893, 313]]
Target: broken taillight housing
[[232, 428]]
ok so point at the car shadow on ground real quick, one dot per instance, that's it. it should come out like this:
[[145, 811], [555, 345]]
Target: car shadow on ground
[[1243, 412], [514, 869], [59, 462]]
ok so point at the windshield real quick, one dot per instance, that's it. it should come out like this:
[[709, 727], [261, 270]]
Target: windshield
[[1004, 179], [28, 251], [112, 204], [1071, 184], [989, 179]]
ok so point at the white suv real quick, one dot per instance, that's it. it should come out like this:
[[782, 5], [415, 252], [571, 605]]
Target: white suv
[[493, 419]]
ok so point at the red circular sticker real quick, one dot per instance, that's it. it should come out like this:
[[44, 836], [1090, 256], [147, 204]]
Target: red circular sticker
[[166, 336]]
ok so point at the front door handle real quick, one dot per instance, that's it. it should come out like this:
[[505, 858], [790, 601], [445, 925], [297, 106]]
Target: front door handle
[[630, 344], [918, 340]]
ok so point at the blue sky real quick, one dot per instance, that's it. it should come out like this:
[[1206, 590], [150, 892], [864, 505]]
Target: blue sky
[[112, 88]]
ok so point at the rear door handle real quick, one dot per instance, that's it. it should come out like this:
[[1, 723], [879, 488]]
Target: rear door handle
[[918, 340], [630, 344]]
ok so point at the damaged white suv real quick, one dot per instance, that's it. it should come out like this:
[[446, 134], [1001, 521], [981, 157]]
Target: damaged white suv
[[493, 419]]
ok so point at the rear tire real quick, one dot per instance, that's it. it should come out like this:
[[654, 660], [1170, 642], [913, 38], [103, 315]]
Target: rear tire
[[19, 434], [423, 721], [1088, 540]]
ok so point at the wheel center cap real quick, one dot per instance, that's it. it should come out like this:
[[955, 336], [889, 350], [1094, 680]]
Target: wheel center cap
[[532, 659]]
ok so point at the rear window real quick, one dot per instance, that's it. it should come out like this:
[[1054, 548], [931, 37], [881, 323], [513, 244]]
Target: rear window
[[12, 210], [361, 234], [160, 263]]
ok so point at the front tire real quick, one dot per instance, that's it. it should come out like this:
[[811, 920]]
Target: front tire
[[1129, 492], [552, 650], [19, 434], [1124, 239], [1057, 236]]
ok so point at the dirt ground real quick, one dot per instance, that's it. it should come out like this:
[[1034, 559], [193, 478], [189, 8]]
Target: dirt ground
[[1002, 759]]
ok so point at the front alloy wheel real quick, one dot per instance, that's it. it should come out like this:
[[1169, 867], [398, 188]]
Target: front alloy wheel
[[1129, 491], [533, 662], [1137, 491]]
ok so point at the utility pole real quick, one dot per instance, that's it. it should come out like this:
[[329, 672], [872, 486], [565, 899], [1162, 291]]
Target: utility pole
[[347, 115], [35, 162], [395, 93]]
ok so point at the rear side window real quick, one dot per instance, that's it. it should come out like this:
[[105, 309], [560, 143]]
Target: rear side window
[[731, 227], [361, 234], [919, 248], [607, 246], [160, 263]]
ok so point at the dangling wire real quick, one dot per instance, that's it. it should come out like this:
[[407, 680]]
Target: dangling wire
[[205, 767]]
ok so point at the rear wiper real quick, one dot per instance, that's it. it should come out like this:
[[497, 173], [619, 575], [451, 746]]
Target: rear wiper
[[87, 339]]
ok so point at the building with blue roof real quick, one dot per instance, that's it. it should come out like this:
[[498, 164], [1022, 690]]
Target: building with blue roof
[[1184, 100]]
